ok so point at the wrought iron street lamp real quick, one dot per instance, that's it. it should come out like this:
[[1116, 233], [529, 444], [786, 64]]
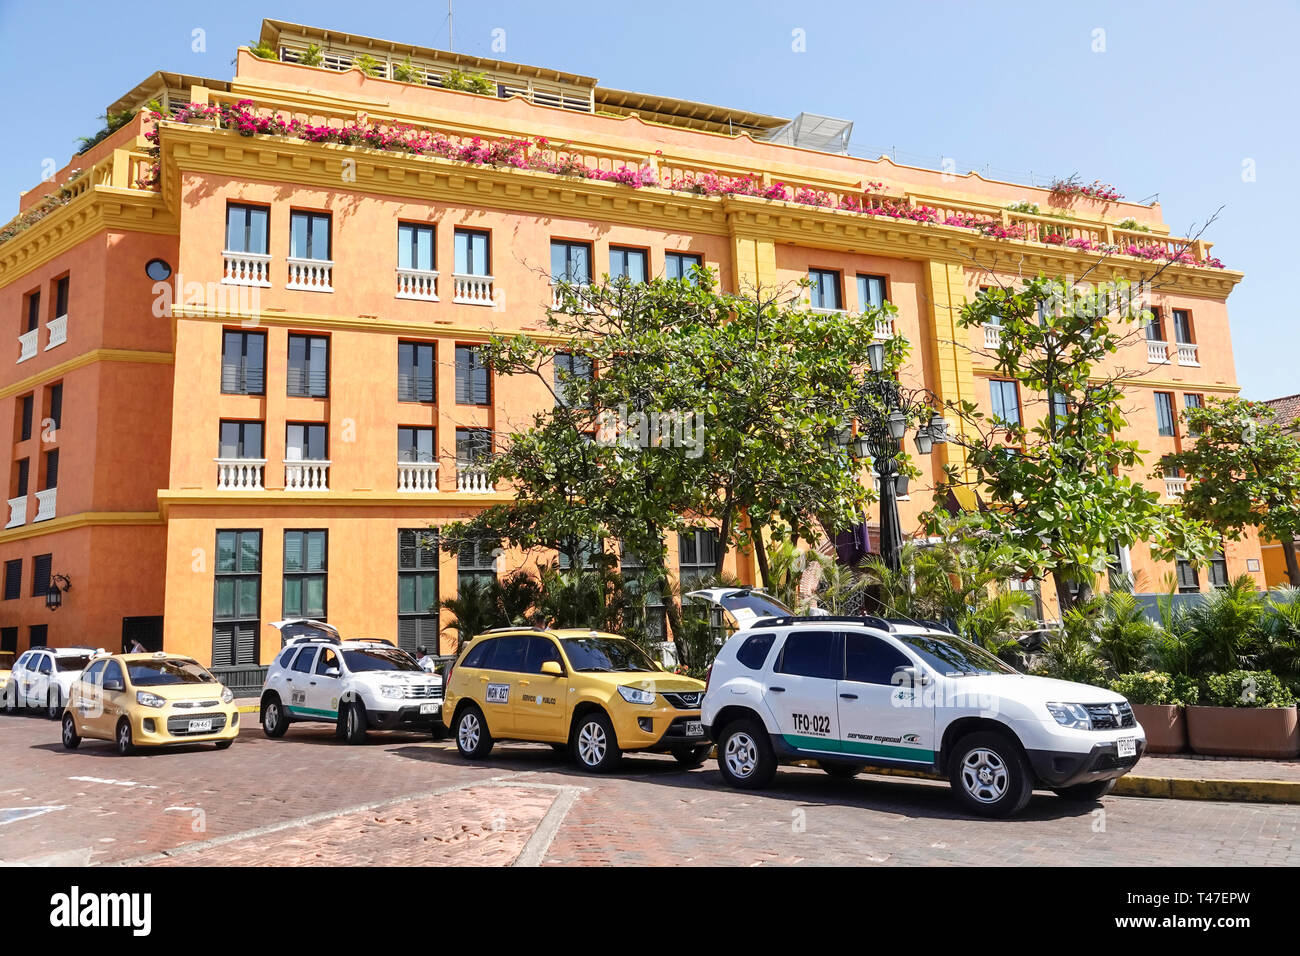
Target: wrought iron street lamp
[[59, 584]]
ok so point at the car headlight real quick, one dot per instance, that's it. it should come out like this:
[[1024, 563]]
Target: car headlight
[[635, 695], [390, 690], [1071, 715], [227, 695], [149, 700]]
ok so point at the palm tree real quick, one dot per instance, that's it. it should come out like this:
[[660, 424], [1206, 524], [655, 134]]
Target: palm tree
[[1224, 629], [474, 608], [1125, 634]]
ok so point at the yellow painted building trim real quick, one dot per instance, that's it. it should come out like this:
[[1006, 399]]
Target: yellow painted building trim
[[86, 519], [197, 497], [945, 294], [476, 333], [1185, 386], [127, 356]]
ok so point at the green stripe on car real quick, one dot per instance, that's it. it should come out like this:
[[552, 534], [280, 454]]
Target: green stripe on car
[[860, 748]]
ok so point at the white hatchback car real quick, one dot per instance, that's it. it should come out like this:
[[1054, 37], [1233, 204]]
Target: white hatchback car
[[857, 692], [43, 676], [353, 684]]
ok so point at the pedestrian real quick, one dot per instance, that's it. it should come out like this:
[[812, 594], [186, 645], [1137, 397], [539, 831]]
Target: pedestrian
[[422, 658], [137, 647]]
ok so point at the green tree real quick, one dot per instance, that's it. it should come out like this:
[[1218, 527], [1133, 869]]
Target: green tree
[[1244, 471]]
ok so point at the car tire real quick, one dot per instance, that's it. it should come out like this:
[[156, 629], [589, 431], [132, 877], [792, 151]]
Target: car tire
[[354, 722], [990, 775], [745, 756], [594, 744], [123, 741], [54, 705], [1086, 792], [71, 739], [692, 757], [224, 744], [472, 737], [275, 719], [841, 771]]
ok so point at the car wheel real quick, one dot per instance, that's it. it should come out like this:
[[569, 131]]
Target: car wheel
[[354, 723], [472, 737], [1086, 792], [745, 755], [691, 757], [54, 705], [71, 739], [275, 721], [593, 743], [841, 771], [123, 740], [990, 775], [224, 744]]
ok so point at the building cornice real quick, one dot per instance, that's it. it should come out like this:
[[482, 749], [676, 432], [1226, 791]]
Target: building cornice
[[86, 519], [989, 371], [128, 356], [433, 504], [479, 332]]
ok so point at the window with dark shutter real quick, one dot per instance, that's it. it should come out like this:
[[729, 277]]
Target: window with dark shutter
[[33, 310], [696, 554], [61, 288], [38, 635], [13, 579], [472, 381], [415, 372], [23, 466], [308, 373], [28, 409], [476, 560], [56, 405], [305, 574], [51, 469], [417, 588], [9, 640], [237, 598], [42, 564], [243, 363]]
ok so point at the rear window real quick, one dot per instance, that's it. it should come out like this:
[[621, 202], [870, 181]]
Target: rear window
[[479, 654], [72, 662], [753, 652]]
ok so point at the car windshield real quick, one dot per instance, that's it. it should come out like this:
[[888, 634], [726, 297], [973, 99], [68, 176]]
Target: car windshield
[[72, 662], [954, 657], [613, 654], [157, 673], [380, 659]]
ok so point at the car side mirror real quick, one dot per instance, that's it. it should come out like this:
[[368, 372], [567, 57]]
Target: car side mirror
[[114, 685], [331, 672], [910, 677], [553, 668]]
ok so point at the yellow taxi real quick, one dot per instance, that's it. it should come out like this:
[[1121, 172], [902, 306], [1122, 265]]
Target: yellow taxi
[[592, 693], [149, 700]]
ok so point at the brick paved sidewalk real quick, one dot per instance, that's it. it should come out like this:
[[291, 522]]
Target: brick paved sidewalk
[[1194, 767]]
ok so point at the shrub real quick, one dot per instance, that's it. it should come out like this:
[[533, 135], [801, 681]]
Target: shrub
[[312, 56], [479, 83], [1150, 688], [263, 51], [1247, 689], [367, 64], [407, 72], [1186, 691]]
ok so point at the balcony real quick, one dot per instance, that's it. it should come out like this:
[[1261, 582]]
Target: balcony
[[992, 337], [472, 290], [884, 328], [1187, 354], [473, 479], [301, 475], [27, 343], [417, 477], [1174, 487], [58, 329], [1157, 352], [17, 512], [246, 268], [310, 275], [240, 474], [45, 504], [417, 284]]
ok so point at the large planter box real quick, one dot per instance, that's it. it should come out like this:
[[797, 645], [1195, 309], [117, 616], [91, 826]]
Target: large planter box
[[1244, 731], [1165, 726]]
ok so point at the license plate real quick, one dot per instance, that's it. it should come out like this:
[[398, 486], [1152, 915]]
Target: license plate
[[1127, 746], [694, 728], [430, 708], [201, 726]]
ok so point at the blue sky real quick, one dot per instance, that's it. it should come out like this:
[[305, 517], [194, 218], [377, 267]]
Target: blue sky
[[1183, 95]]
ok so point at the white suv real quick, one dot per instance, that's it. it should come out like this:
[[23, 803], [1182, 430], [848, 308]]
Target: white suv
[[857, 692], [353, 684], [43, 676]]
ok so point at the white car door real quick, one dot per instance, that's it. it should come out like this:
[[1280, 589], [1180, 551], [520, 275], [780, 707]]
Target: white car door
[[882, 716], [324, 685], [20, 679], [800, 692], [297, 680]]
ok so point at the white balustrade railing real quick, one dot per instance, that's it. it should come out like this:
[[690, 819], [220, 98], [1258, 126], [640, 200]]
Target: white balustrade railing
[[1187, 354], [420, 477], [1174, 487], [472, 290], [303, 475], [45, 501], [246, 268], [1157, 352], [473, 478], [240, 474], [884, 328], [27, 344], [310, 275], [17, 512], [992, 336], [417, 284], [58, 329]]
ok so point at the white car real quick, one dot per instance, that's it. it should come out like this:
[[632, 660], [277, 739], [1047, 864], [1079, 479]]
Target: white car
[[857, 692], [353, 684], [43, 676]]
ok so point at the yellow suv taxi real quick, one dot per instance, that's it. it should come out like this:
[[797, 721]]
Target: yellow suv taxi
[[595, 694], [149, 700]]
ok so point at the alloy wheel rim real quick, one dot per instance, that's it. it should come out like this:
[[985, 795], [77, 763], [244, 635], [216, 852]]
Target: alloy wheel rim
[[741, 755], [592, 744], [468, 732], [272, 717], [68, 731], [984, 775], [124, 737]]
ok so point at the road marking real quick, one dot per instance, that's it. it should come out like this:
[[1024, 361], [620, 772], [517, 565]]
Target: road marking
[[14, 814], [535, 850], [113, 783]]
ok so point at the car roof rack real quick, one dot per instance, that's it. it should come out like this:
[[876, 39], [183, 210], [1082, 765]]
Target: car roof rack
[[920, 622], [313, 639], [866, 619], [518, 627]]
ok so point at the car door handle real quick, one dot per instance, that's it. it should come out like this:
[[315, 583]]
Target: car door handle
[[523, 683], [313, 683], [288, 680], [777, 690], [849, 696]]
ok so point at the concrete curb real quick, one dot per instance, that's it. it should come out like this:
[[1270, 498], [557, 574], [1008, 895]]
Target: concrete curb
[[1181, 788]]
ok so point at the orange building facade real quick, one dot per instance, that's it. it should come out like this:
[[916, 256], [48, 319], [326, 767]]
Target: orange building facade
[[272, 429]]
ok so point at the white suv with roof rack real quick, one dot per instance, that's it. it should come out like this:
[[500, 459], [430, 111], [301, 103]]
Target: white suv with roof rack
[[42, 677], [354, 684], [860, 692]]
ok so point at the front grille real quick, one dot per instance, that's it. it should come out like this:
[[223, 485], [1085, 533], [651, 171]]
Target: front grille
[[688, 700], [180, 726], [1104, 718], [183, 704], [422, 691]]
